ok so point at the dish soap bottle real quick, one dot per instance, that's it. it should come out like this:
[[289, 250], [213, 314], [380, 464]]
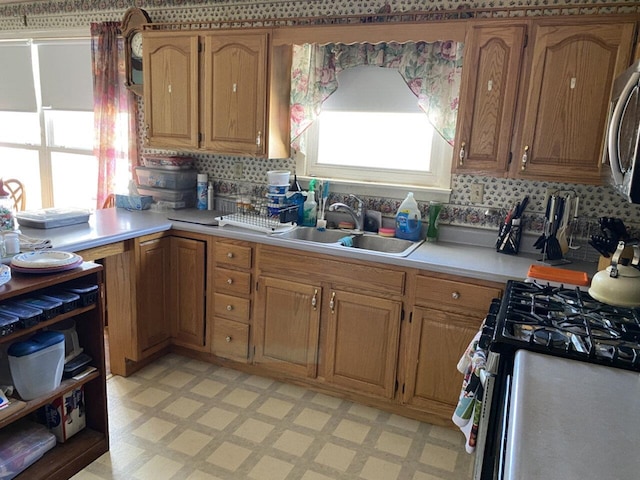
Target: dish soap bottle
[[408, 219], [310, 210]]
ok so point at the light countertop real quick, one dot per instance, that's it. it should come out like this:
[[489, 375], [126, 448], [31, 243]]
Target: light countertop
[[479, 262]]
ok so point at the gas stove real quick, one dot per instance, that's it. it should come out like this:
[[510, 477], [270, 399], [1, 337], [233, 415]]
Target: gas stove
[[565, 322]]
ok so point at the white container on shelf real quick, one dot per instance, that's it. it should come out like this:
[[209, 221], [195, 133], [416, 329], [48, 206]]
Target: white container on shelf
[[278, 177], [37, 363]]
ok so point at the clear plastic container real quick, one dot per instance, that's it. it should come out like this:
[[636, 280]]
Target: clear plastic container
[[168, 195], [21, 445], [36, 364], [173, 179]]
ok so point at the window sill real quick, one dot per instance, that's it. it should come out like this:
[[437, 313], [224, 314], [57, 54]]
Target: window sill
[[373, 189]]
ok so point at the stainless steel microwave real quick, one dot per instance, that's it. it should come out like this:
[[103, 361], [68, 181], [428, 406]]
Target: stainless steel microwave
[[623, 134]]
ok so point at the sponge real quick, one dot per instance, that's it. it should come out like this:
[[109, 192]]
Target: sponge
[[346, 241]]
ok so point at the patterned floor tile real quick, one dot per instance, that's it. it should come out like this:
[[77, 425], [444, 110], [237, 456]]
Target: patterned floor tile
[[182, 419]]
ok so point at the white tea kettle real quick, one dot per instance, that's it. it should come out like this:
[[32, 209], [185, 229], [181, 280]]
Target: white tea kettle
[[618, 285]]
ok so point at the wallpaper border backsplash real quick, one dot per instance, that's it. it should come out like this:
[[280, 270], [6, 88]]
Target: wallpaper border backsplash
[[499, 193]]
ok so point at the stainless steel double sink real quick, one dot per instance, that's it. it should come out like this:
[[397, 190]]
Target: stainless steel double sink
[[391, 246]]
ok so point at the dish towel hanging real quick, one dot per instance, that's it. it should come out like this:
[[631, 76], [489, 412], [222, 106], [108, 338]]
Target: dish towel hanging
[[28, 244], [467, 412]]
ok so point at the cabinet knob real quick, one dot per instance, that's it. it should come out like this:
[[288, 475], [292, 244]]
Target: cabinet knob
[[229, 308], [229, 281], [230, 255], [455, 295], [462, 153], [525, 158], [228, 338]]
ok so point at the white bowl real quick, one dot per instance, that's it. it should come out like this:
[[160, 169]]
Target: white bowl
[[5, 274]]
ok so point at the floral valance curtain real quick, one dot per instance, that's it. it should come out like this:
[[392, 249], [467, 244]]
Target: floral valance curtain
[[114, 107], [431, 70]]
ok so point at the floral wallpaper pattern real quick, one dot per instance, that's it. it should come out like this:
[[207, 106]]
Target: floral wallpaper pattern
[[499, 194]]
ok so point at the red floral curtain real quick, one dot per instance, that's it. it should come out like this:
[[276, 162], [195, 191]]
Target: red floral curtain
[[114, 108], [432, 71]]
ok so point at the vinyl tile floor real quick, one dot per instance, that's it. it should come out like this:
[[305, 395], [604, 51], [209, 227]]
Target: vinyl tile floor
[[180, 418]]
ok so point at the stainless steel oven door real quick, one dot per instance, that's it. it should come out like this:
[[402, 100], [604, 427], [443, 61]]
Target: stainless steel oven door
[[492, 427]]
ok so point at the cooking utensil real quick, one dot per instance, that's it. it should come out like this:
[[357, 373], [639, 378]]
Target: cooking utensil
[[552, 247], [542, 239], [564, 225], [574, 224]]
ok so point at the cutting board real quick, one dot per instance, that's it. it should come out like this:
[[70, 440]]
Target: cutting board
[[201, 217]]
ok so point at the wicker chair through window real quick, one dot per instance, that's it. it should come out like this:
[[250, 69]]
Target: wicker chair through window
[[18, 193]]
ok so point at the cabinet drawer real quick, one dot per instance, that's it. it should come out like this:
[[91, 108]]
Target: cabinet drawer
[[435, 291], [233, 308], [230, 340], [232, 281], [233, 254]]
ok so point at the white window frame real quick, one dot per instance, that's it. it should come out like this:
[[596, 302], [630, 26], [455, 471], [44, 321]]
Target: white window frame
[[434, 184], [44, 150]]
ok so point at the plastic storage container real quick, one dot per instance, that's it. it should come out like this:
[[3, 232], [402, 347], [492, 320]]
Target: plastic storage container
[[36, 364], [88, 293], [173, 179], [28, 316], [408, 219], [53, 217], [70, 300], [50, 307], [9, 323], [179, 198], [21, 445], [168, 162]]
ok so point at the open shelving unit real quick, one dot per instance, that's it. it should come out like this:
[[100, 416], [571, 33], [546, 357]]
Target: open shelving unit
[[67, 458]]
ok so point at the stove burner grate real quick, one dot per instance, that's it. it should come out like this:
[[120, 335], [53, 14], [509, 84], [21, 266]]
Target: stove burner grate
[[568, 322]]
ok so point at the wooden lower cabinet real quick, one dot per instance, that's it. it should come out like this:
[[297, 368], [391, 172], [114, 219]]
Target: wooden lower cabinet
[[187, 295], [447, 314], [230, 298], [437, 341], [286, 326], [362, 342]]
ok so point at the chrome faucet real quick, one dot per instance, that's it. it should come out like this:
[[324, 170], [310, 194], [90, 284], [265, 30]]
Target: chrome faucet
[[358, 214]]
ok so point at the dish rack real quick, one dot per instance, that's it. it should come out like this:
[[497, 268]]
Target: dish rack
[[260, 217]]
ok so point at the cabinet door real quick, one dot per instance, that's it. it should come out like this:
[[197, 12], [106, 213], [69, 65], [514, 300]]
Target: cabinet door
[[572, 68], [287, 324], [437, 341], [235, 93], [362, 342], [171, 89], [489, 88], [153, 282], [187, 290]]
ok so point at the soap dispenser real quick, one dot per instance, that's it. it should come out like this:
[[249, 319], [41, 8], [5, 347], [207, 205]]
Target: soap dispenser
[[310, 210]]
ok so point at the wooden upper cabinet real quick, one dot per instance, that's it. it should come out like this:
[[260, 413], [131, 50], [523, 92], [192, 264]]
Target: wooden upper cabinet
[[171, 89], [571, 67], [235, 92], [490, 74]]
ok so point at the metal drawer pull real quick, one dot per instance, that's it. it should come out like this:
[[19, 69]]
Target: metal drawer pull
[[229, 307], [228, 338], [525, 158], [332, 303], [462, 153], [229, 281], [230, 255], [314, 299], [455, 295]]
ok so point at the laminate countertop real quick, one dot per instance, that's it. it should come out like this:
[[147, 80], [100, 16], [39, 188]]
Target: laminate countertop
[[449, 257]]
